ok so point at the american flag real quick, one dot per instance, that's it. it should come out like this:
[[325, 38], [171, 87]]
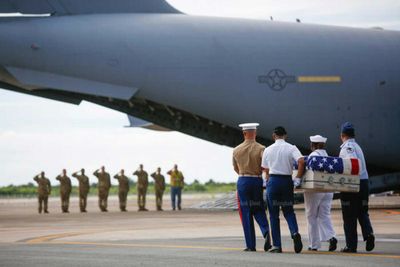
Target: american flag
[[325, 164], [332, 165]]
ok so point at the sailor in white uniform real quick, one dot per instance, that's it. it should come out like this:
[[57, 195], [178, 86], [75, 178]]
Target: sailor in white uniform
[[318, 207]]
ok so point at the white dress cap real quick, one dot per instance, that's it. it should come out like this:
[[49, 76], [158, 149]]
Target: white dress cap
[[249, 126], [318, 139]]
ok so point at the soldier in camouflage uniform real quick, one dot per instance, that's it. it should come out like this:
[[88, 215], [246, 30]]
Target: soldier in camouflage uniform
[[44, 190], [123, 189], [65, 190], [84, 187], [103, 187], [142, 184], [159, 186]]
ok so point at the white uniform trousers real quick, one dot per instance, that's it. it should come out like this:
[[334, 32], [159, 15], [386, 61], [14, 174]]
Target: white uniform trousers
[[318, 213]]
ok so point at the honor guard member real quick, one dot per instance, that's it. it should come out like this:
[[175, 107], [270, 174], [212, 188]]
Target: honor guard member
[[44, 190], [123, 189], [177, 184], [103, 187], [65, 190], [247, 164], [355, 205], [159, 186], [142, 185], [83, 189], [277, 162], [318, 206]]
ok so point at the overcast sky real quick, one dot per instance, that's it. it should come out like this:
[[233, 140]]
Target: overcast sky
[[38, 134]]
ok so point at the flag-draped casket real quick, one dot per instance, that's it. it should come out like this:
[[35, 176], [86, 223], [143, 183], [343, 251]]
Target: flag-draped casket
[[330, 174]]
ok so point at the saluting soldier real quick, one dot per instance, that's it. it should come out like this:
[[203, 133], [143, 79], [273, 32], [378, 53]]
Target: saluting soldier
[[84, 187], [142, 184], [355, 205], [277, 162], [44, 190], [159, 186], [123, 189], [318, 206], [247, 164], [65, 190], [103, 187], [177, 184]]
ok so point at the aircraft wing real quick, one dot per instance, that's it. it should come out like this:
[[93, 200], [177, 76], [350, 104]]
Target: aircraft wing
[[139, 123], [71, 84], [71, 7]]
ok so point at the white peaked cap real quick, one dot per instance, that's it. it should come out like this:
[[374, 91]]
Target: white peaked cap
[[249, 126], [318, 139]]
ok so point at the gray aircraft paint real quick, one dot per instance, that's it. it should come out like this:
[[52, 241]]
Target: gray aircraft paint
[[219, 69]]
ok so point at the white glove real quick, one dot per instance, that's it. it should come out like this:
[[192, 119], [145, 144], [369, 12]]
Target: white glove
[[296, 182]]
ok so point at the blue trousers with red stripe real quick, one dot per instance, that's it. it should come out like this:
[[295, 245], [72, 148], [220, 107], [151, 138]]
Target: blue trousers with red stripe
[[251, 206]]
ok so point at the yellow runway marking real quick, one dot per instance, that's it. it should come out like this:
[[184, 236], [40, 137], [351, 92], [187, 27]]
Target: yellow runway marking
[[392, 212], [319, 79], [50, 239], [144, 245]]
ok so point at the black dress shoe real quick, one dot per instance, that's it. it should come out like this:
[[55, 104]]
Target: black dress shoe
[[370, 245], [312, 249], [348, 250], [249, 249], [267, 244], [332, 244], [276, 250], [298, 245]]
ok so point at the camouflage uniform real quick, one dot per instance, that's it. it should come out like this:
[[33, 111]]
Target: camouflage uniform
[[44, 190], [122, 190], [65, 191], [83, 190], [142, 184], [159, 186], [103, 188]]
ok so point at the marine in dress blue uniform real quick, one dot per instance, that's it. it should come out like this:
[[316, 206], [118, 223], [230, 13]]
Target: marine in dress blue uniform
[[277, 162], [355, 205], [247, 164]]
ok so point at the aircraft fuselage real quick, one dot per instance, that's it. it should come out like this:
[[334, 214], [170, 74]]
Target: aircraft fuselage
[[308, 78]]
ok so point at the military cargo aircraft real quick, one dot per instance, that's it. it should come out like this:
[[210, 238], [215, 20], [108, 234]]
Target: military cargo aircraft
[[204, 75]]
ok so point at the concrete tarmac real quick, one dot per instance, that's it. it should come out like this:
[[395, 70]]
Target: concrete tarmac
[[168, 238]]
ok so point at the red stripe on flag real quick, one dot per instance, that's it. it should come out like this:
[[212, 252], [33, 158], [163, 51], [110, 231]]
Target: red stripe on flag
[[355, 167], [239, 208]]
